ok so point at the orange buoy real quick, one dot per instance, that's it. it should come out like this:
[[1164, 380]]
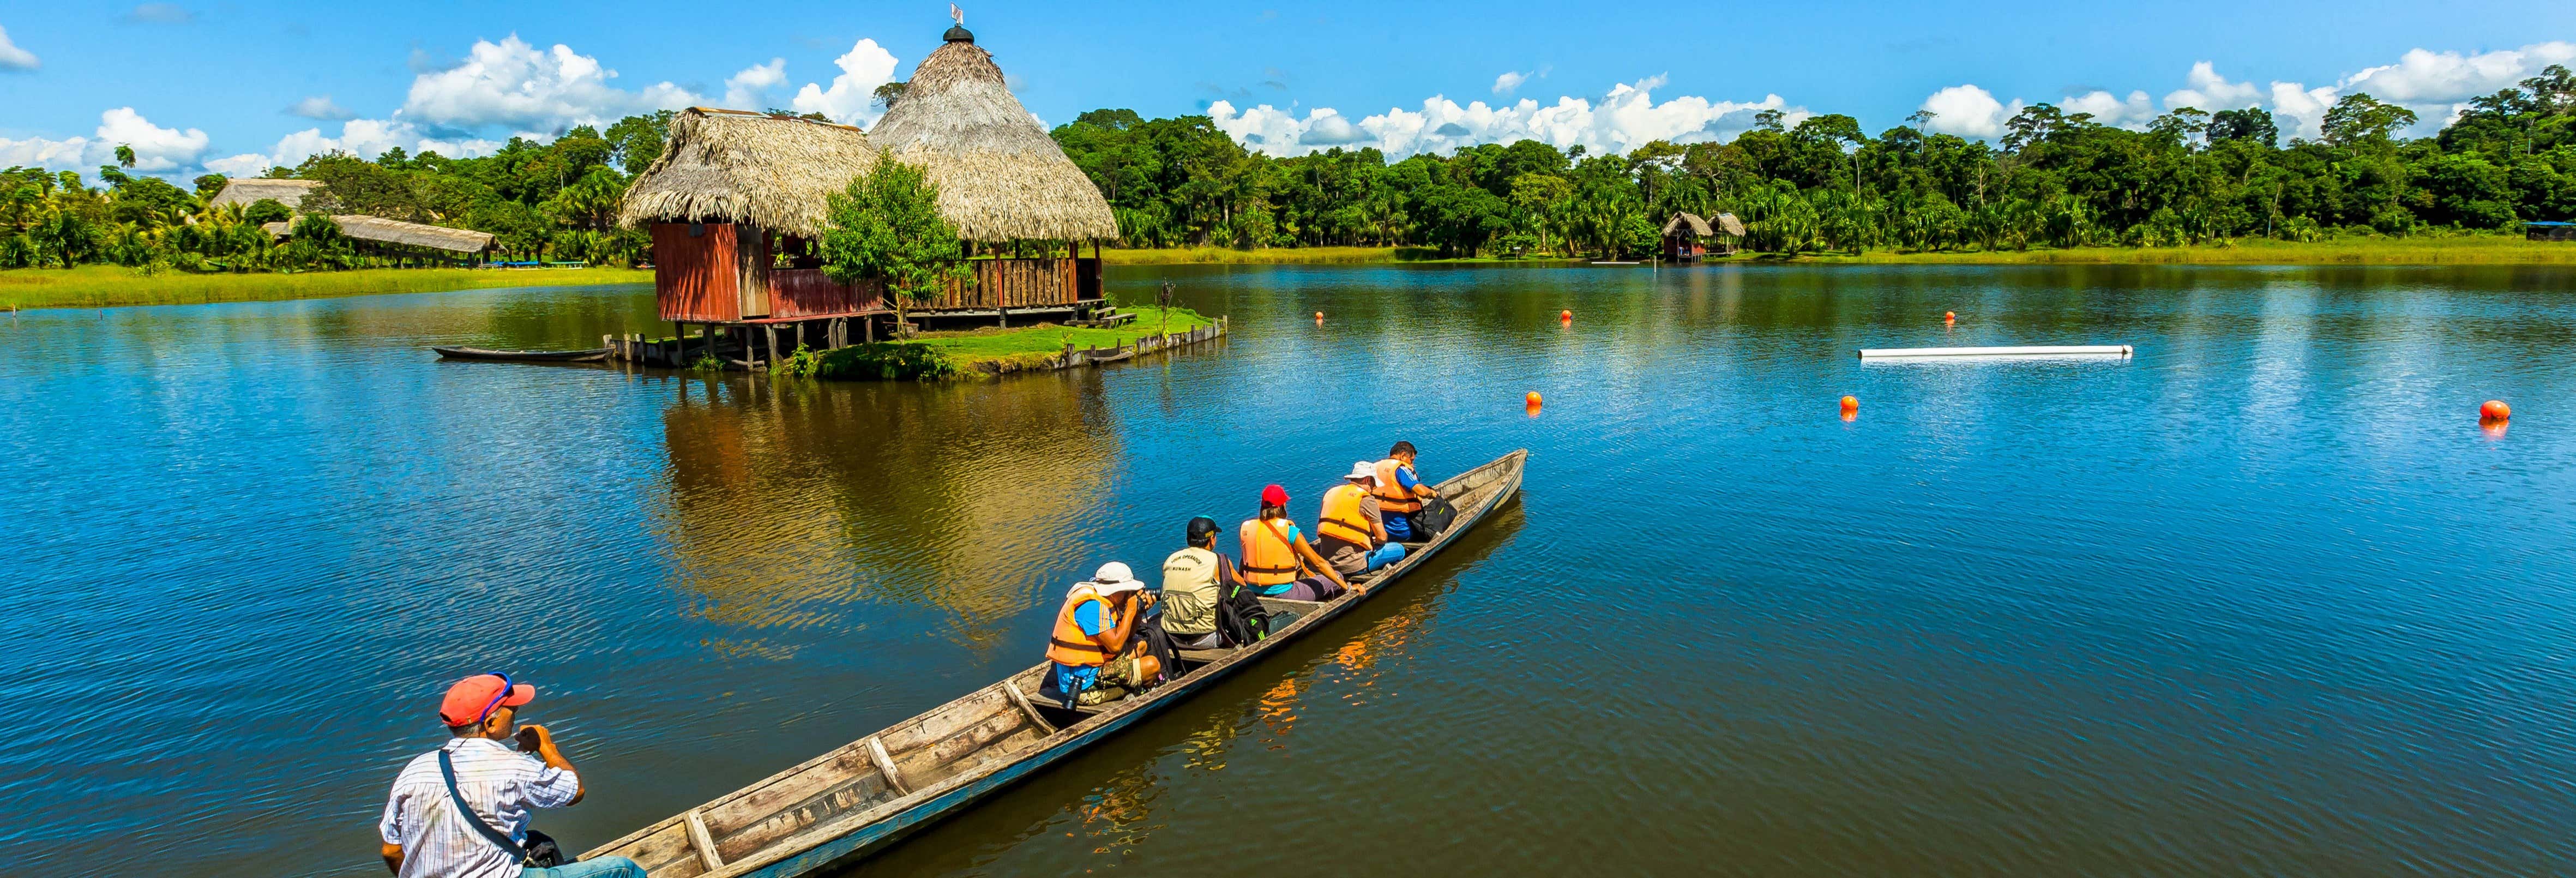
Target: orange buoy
[[2495, 410], [1319, 315], [1532, 397], [1565, 315], [1851, 403], [1949, 315]]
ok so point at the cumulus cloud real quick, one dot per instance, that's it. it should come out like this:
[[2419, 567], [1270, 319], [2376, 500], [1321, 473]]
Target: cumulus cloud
[[1509, 82], [2422, 77], [515, 85], [160, 13], [249, 164], [2209, 91], [1967, 111], [850, 99], [155, 148], [749, 90], [319, 107], [2130, 112], [14, 58], [1625, 118]]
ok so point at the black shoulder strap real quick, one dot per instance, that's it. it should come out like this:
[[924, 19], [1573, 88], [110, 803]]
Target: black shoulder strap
[[447, 769]]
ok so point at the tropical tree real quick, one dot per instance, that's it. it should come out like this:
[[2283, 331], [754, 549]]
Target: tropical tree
[[886, 226]]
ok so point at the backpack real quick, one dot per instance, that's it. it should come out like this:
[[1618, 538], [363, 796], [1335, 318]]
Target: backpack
[[1239, 615], [1435, 516]]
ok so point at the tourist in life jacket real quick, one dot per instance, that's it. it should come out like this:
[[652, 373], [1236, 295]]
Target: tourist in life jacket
[[1351, 532], [1194, 580], [1091, 647], [1277, 559], [1400, 494]]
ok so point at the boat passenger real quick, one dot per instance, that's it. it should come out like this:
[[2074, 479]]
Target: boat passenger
[[1278, 561], [1400, 494], [1351, 532], [1094, 632], [496, 787], [1194, 580]]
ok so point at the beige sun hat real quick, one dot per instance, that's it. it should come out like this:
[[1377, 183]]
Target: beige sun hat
[[1114, 577], [1362, 470]]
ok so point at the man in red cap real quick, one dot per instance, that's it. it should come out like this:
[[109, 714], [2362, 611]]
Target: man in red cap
[[463, 811], [1277, 560]]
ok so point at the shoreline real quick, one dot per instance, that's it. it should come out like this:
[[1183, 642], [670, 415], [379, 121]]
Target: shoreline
[[109, 286], [2495, 250]]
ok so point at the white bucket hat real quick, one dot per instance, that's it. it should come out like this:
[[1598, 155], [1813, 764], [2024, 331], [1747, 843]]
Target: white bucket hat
[[1362, 470], [1114, 577]]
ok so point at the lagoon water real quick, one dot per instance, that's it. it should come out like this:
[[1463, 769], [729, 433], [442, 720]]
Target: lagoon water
[[2263, 598]]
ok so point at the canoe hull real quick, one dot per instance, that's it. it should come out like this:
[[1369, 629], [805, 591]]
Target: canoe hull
[[464, 353]]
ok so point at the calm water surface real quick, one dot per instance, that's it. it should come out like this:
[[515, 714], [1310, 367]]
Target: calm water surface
[[2263, 599]]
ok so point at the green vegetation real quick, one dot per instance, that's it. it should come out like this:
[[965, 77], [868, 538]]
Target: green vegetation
[[2462, 249], [2191, 179], [887, 227], [1205, 255], [108, 286], [948, 354]]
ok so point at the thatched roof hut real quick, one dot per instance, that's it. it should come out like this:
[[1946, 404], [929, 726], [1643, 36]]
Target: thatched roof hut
[[1690, 221], [379, 230], [1001, 178], [250, 191], [733, 166], [1730, 224]]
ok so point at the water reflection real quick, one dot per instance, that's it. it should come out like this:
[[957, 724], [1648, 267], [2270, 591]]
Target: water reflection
[[793, 502]]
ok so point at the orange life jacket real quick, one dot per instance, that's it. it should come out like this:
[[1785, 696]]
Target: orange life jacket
[[1268, 557], [1393, 496], [1343, 520], [1073, 646]]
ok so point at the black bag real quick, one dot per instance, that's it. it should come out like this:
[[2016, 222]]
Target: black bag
[[1435, 516], [1239, 615], [541, 851]]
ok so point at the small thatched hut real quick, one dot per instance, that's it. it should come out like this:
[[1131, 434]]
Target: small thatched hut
[[385, 237], [731, 191], [1687, 237], [1001, 178], [250, 191]]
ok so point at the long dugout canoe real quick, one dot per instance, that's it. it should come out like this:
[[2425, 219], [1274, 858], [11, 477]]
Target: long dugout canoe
[[868, 794], [2102, 350]]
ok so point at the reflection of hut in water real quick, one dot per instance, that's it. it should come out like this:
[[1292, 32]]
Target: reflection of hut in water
[[1687, 237], [788, 510], [735, 194]]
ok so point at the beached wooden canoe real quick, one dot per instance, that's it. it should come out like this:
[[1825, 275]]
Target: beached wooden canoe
[[461, 353], [858, 799]]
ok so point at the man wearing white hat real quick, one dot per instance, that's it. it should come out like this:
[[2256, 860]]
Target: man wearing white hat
[[1092, 662], [1352, 532]]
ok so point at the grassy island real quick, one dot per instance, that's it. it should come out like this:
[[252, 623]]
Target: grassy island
[[994, 351], [109, 286]]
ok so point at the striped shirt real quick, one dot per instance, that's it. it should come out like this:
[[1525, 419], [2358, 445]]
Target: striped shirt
[[502, 784]]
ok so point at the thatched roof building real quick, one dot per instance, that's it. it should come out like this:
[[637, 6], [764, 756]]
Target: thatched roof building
[[734, 166], [1001, 178], [379, 230], [250, 191], [1687, 220]]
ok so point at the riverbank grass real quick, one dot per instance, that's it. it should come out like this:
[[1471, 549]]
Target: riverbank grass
[[2423, 250], [993, 350], [110, 286]]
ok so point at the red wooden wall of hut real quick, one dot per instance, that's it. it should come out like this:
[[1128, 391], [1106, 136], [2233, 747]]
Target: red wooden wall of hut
[[805, 292], [697, 271]]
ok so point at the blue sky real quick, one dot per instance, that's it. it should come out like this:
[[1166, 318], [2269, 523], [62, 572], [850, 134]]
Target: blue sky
[[231, 84]]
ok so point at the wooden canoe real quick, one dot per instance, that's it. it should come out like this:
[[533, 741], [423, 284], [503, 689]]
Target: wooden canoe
[[856, 800], [461, 353], [1122, 355]]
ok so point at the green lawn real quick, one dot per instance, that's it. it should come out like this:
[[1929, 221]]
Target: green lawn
[[967, 348], [108, 286]]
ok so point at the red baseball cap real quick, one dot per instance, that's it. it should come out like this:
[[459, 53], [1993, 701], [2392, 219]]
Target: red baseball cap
[[1274, 496], [474, 698]]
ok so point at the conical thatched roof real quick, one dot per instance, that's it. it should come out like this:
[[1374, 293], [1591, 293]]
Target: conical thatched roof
[[1732, 225], [742, 167], [1000, 176], [1692, 221]]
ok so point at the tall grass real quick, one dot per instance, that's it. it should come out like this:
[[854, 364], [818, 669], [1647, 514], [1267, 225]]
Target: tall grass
[[108, 286]]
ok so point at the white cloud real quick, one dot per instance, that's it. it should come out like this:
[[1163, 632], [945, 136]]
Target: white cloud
[[849, 100], [2305, 107], [14, 58], [1509, 82], [368, 138], [749, 90], [513, 84], [2212, 92], [2130, 112], [2422, 77], [1626, 118], [319, 107], [1968, 111], [249, 164], [155, 148]]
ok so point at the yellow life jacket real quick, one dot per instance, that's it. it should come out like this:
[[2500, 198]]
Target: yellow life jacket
[[1268, 557], [1343, 520], [1392, 495], [1073, 646]]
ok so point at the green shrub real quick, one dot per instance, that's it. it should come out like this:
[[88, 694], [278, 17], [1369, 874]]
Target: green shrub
[[885, 361]]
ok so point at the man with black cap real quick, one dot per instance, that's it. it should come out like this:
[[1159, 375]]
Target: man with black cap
[[463, 811], [1194, 580]]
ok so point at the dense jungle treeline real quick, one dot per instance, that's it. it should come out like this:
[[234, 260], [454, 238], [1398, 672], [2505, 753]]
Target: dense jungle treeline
[[555, 201], [2052, 179]]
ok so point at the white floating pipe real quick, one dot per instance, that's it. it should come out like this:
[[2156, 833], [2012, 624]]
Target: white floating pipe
[[2113, 350]]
